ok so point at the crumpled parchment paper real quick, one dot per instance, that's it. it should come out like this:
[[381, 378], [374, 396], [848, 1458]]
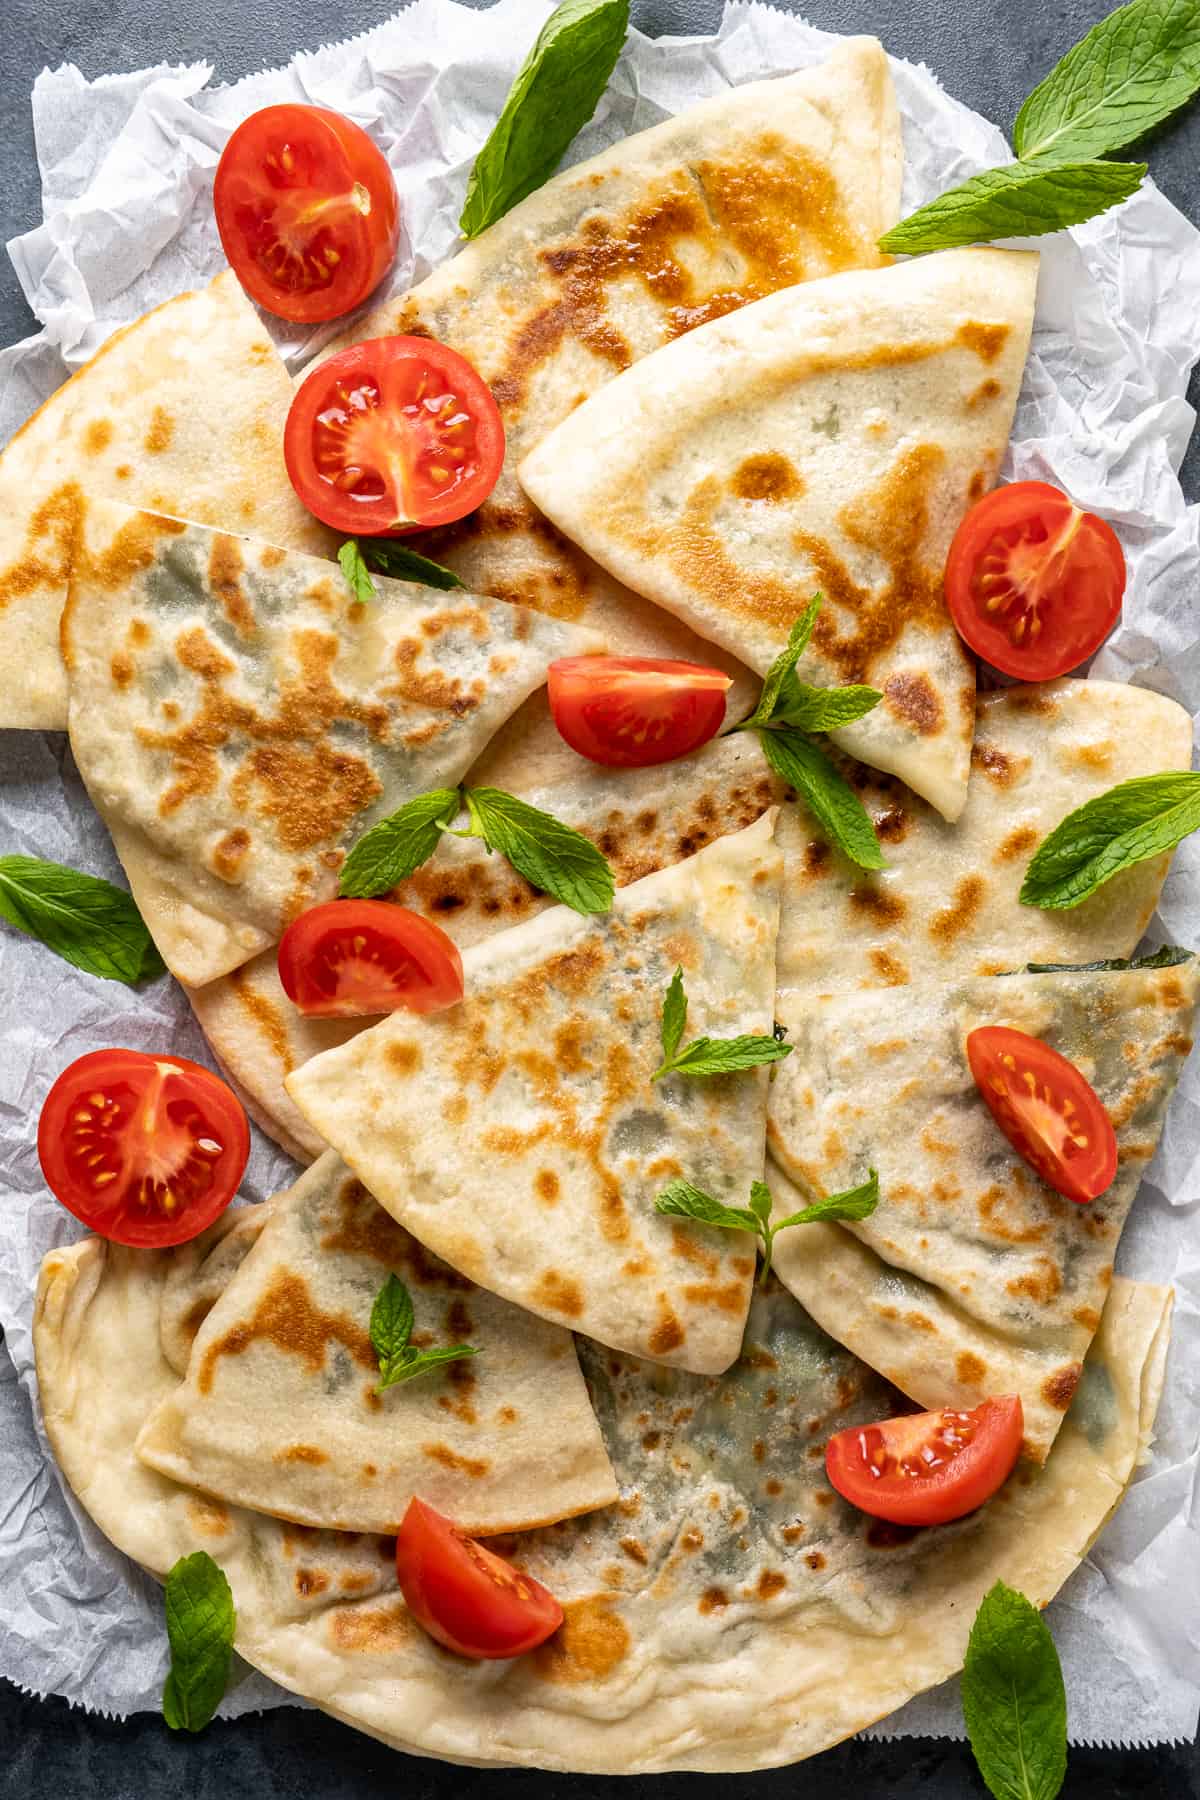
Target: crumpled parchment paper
[[127, 164]]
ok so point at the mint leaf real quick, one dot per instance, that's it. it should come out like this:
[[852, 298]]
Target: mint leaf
[[1167, 956], [388, 556], [674, 1016], [88, 922], [1014, 1702], [1132, 71], [550, 855], [200, 1625], [354, 568], [822, 709], [784, 665], [554, 95], [686, 1201], [1134, 820], [855, 1203], [834, 804], [411, 1363], [691, 1202], [391, 1323], [760, 1201], [1018, 200], [389, 852]]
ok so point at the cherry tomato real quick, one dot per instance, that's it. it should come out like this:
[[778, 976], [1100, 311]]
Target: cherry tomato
[[1034, 585], [631, 711], [393, 435], [1048, 1112], [146, 1150], [466, 1596], [927, 1468], [307, 211], [368, 956]]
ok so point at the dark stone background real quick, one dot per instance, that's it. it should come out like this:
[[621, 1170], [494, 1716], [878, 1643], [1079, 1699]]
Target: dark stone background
[[987, 52]]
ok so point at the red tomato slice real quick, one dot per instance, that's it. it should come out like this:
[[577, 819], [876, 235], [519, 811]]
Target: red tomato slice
[[368, 956], [1046, 1109], [927, 1468], [466, 1596], [307, 211], [393, 435], [1034, 585], [146, 1150], [631, 711]]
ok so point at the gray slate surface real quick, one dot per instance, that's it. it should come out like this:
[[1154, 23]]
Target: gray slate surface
[[987, 52]]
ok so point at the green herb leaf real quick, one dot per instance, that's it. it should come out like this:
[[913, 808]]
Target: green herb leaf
[[412, 1362], [1132, 71], [822, 709], [553, 97], [200, 1625], [784, 665], [388, 556], [724, 1056], [391, 1324], [1018, 200], [1167, 956], [1133, 821], [686, 1201], [392, 849], [353, 566], [550, 855], [836, 807], [1014, 1702], [87, 921], [674, 1016], [856, 1203], [760, 1200]]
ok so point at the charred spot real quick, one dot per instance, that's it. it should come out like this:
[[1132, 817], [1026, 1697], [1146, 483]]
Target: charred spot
[[1058, 1389]]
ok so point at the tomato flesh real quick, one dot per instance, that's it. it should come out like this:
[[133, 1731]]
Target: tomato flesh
[[1034, 585], [351, 957], [146, 1150], [393, 435], [1048, 1111], [467, 1597], [307, 211], [927, 1468], [633, 711]]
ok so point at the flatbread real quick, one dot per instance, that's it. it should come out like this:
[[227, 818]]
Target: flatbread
[[239, 719], [972, 1277], [828, 438], [520, 1136], [181, 412], [765, 185], [279, 1409], [730, 1614]]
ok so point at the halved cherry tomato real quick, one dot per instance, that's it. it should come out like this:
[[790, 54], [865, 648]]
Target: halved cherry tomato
[[927, 1468], [631, 711], [146, 1150], [466, 1596], [368, 956], [1048, 1111], [307, 211], [393, 435], [1033, 584]]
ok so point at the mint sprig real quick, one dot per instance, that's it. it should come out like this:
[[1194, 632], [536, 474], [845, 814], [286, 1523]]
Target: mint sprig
[[390, 1332], [85, 920], [552, 856], [554, 95], [1014, 1701], [1135, 820], [706, 1055], [200, 1626], [387, 556], [685, 1200], [1018, 200]]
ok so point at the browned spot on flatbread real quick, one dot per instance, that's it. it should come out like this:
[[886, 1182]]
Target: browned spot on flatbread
[[121, 669], [405, 1059], [634, 1551], [588, 1646], [474, 1466], [559, 1294], [207, 1518], [229, 854], [914, 700], [951, 921], [1042, 1284], [547, 1186], [878, 904], [159, 432], [97, 437], [1058, 1389], [301, 1453], [1087, 1317], [891, 971], [993, 763], [970, 1369], [987, 341], [1018, 843], [766, 476], [309, 1582], [668, 1334], [728, 1297], [770, 1583], [986, 391], [815, 1560], [265, 1016], [45, 557], [288, 1317], [371, 1630], [713, 1599], [225, 569]]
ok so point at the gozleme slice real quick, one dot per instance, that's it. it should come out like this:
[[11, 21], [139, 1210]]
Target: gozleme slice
[[280, 1408], [827, 438], [239, 718], [520, 1136], [972, 1277], [181, 412], [731, 1613]]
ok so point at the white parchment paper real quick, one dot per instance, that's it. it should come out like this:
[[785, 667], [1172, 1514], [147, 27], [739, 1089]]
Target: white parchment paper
[[127, 164]]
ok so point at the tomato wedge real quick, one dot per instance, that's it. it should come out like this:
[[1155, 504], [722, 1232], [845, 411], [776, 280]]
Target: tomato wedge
[[1048, 1111], [927, 1468], [368, 956], [307, 211], [1033, 584], [466, 1596], [146, 1150], [631, 711], [393, 435]]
